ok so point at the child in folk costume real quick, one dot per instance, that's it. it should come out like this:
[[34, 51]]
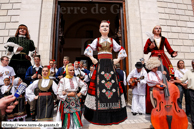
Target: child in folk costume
[[7, 90], [139, 89], [20, 109], [69, 109], [105, 102], [45, 102]]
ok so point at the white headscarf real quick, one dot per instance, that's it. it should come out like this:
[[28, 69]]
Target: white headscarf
[[15, 82]]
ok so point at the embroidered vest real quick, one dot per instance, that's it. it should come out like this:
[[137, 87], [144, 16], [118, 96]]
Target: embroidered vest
[[45, 89], [105, 46]]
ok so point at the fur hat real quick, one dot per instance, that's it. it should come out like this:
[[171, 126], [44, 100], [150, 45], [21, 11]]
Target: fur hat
[[152, 63]]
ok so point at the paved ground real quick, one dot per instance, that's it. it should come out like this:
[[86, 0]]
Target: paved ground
[[132, 122]]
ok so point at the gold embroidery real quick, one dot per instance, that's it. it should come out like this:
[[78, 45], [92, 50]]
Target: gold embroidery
[[105, 46], [44, 88]]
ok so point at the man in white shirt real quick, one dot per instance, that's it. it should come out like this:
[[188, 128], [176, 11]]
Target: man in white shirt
[[34, 72], [139, 90], [6, 70], [53, 70], [189, 75], [181, 70], [61, 71], [80, 73]]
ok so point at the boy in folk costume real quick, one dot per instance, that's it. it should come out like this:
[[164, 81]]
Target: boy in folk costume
[[34, 73], [20, 109], [139, 89], [69, 109], [45, 102], [7, 90]]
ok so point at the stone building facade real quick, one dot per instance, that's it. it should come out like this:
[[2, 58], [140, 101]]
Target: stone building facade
[[175, 17]]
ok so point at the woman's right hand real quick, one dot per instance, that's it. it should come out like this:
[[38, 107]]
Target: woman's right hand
[[94, 60], [152, 45], [20, 49], [36, 97], [71, 94]]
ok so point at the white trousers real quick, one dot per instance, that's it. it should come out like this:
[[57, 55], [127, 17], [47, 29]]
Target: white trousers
[[138, 104]]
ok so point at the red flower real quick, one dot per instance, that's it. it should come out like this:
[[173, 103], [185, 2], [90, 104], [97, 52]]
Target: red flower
[[78, 62], [53, 60], [64, 72], [108, 22], [36, 72], [48, 66]]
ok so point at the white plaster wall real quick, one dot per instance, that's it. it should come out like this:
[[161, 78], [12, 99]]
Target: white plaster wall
[[177, 21], [9, 20], [46, 31]]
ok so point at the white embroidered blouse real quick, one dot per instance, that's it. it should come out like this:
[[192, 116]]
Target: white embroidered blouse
[[69, 85], [154, 78], [30, 89], [116, 47]]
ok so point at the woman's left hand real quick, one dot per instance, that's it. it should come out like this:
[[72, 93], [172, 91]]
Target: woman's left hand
[[79, 94]]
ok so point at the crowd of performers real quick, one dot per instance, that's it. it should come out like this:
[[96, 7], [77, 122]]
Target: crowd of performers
[[100, 90]]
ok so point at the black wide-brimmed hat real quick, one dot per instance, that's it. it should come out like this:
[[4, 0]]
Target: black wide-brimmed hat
[[139, 65]]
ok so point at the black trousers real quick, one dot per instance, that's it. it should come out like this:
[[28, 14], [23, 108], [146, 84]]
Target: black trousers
[[191, 95], [187, 101]]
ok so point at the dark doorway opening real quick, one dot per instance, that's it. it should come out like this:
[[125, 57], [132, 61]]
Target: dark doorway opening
[[77, 25]]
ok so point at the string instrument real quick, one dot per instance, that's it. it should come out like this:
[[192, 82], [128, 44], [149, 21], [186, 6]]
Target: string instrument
[[167, 114], [133, 80]]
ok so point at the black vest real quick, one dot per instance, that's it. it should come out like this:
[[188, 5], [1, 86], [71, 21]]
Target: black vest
[[38, 72], [61, 73]]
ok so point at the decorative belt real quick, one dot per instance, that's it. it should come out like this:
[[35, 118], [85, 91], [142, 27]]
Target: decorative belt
[[105, 56], [157, 52], [44, 93]]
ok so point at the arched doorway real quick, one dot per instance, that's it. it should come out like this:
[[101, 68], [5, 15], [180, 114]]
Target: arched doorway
[[77, 24]]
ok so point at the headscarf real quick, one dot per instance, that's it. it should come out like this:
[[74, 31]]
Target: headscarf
[[15, 82], [67, 73], [47, 77]]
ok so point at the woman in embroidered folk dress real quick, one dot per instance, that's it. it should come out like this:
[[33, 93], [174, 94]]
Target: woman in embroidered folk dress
[[105, 102], [155, 44], [69, 109], [45, 101]]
